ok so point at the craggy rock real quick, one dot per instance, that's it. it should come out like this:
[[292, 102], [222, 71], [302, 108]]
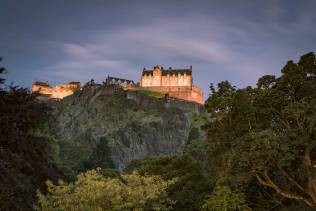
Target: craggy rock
[[132, 132]]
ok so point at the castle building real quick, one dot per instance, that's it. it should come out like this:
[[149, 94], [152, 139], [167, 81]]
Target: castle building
[[177, 83], [123, 83], [58, 92]]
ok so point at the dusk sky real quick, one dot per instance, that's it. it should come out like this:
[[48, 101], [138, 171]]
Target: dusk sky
[[76, 40]]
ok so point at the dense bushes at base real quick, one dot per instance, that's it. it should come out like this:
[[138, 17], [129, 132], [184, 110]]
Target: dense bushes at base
[[94, 191], [191, 186]]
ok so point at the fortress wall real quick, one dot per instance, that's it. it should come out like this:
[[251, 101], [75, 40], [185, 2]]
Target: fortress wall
[[45, 90], [58, 92], [150, 102], [196, 95], [182, 92], [168, 80], [35, 88]]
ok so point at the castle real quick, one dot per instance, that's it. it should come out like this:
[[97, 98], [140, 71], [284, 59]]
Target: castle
[[58, 92], [177, 83]]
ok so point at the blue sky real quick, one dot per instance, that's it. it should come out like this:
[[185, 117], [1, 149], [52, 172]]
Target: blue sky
[[236, 40]]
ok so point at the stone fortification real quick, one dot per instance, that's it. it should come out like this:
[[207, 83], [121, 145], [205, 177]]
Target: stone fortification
[[175, 82], [57, 92]]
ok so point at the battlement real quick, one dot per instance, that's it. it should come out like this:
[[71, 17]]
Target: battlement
[[57, 92]]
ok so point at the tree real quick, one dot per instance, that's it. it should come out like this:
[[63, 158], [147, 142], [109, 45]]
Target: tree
[[24, 157], [2, 70], [268, 132], [224, 199], [93, 191], [191, 184]]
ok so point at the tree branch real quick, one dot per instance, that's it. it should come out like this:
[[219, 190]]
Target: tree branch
[[268, 182], [311, 184], [282, 118], [286, 175]]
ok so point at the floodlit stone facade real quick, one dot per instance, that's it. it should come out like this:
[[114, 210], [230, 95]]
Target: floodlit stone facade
[[177, 83], [58, 92]]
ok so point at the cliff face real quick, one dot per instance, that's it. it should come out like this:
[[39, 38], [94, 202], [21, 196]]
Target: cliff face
[[125, 129]]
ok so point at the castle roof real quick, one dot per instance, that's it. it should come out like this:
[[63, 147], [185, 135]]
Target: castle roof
[[74, 82], [169, 71], [39, 83], [121, 80]]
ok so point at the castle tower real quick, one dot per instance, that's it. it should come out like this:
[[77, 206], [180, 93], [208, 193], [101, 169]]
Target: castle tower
[[156, 81]]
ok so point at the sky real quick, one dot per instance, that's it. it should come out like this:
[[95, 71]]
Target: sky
[[77, 40]]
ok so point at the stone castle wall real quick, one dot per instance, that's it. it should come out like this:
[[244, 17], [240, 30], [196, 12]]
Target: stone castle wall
[[176, 83], [144, 101], [194, 94], [58, 92], [170, 80]]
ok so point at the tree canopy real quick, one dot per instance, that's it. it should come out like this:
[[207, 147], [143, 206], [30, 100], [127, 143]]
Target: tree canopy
[[24, 157], [94, 191], [267, 133], [191, 186]]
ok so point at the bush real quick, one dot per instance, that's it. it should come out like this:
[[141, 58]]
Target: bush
[[94, 191]]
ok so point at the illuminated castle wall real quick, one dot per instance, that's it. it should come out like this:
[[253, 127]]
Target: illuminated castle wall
[[58, 92], [175, 82]]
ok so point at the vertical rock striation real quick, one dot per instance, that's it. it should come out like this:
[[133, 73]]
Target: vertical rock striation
[[131, 130]]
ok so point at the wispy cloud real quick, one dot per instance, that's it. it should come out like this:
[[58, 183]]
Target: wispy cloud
[[221, 40]]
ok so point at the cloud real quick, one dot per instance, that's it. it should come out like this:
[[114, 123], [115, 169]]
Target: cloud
[[182, 42], [78, 52], [221, 40]]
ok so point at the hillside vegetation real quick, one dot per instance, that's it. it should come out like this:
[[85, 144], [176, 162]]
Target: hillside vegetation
[[252, 148], [100, 127]]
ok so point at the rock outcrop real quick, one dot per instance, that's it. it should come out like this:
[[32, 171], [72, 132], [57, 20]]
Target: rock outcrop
[[129, 127]]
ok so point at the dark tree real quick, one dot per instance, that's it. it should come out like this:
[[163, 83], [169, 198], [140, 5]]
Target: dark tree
[[267, 134], [191, 185], [24, 157]]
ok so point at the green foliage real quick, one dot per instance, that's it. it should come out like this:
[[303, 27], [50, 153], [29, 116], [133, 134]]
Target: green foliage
[[191, 185], [94, 191], [100, 157], [224, 199], [267, 134], [2, 70], [197, 144], [70, 157], [25, 164], [73, 158], [112, 108], [198, 149], [150, 93]]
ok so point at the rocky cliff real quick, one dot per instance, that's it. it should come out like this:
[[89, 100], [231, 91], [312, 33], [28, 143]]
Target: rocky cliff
[[111, 127]]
